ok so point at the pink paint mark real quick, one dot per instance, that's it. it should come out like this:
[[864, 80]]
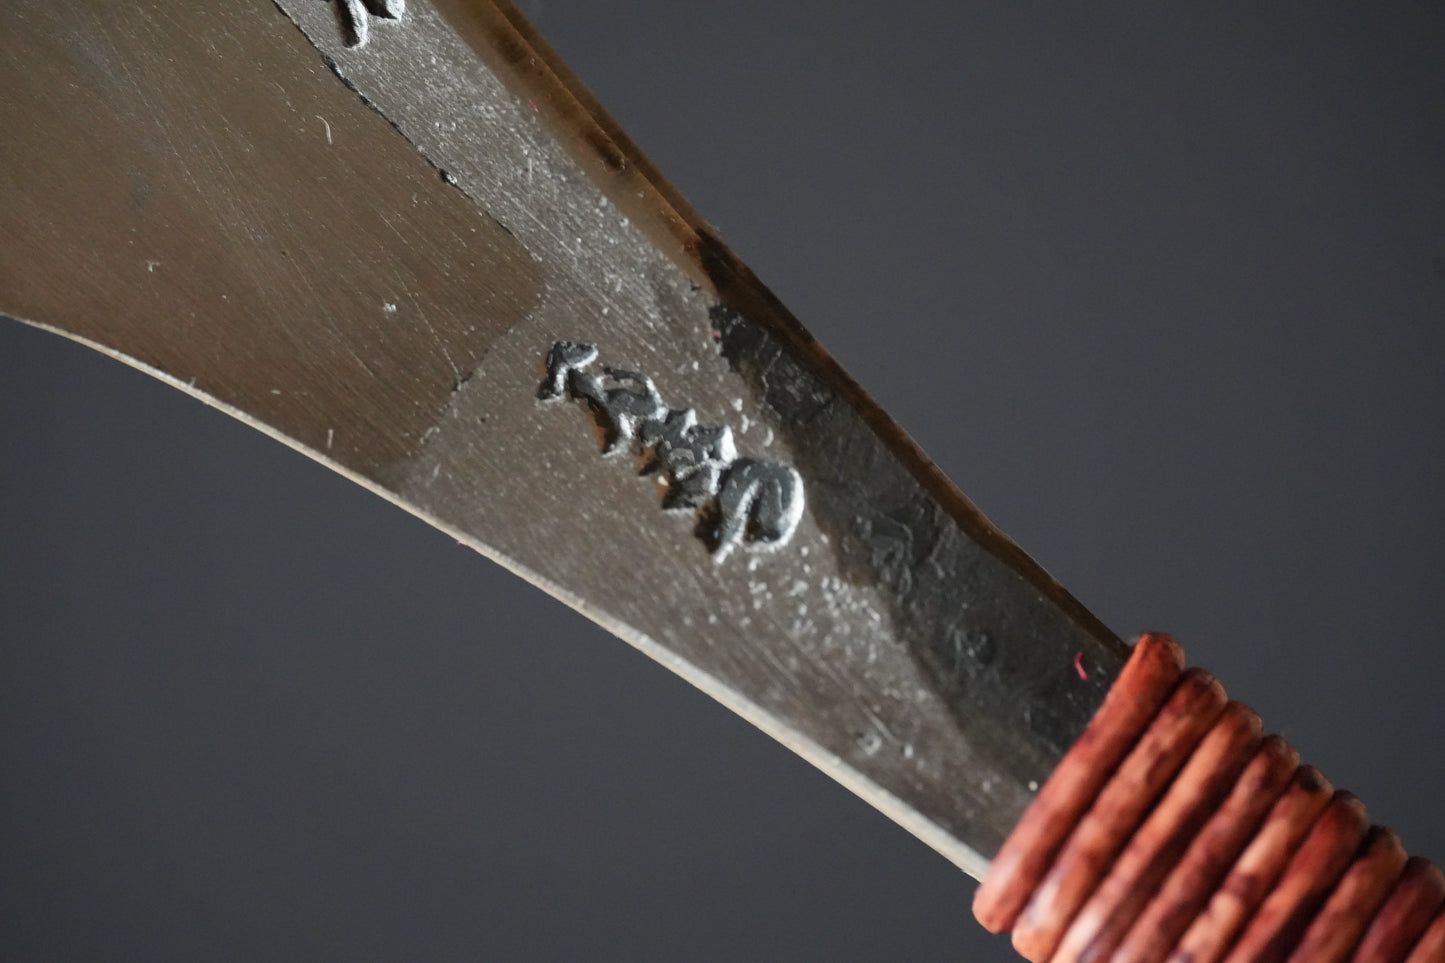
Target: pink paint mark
[[1079, 666]]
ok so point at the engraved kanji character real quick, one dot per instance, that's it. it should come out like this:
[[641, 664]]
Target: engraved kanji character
[[696, 456], [357, 17], [562, 360], [634, 403], [761, 501]]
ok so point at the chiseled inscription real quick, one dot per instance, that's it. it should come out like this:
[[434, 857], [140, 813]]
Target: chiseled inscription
[[356, 17], [740, 501]]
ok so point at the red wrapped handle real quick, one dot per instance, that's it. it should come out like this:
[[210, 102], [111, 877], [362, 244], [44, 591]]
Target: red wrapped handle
[[1175, 830]]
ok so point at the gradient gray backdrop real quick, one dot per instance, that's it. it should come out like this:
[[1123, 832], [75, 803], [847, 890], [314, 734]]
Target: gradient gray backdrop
[[1162, 287]]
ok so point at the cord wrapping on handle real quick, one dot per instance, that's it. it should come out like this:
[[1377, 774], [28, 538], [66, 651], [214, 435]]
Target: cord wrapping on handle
[[1173, 830]]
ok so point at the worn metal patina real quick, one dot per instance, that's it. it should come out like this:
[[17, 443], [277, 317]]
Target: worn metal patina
[[387, 300]]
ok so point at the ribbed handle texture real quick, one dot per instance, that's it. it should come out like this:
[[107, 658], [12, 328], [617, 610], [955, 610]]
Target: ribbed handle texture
[[1175, 830]]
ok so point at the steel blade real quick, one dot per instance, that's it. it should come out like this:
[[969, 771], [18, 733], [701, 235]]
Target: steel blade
[[460, 324]]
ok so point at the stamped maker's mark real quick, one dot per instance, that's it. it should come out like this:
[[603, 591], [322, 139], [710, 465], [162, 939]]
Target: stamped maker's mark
[[740, 501], [356, 17]]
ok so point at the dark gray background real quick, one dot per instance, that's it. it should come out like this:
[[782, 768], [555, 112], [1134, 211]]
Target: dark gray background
[[1161, 287]]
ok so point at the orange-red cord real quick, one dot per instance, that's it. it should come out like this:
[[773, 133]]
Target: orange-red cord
[[1173, 831]]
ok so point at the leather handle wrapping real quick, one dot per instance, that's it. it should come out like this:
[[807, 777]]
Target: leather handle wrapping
[[1175, 830]]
